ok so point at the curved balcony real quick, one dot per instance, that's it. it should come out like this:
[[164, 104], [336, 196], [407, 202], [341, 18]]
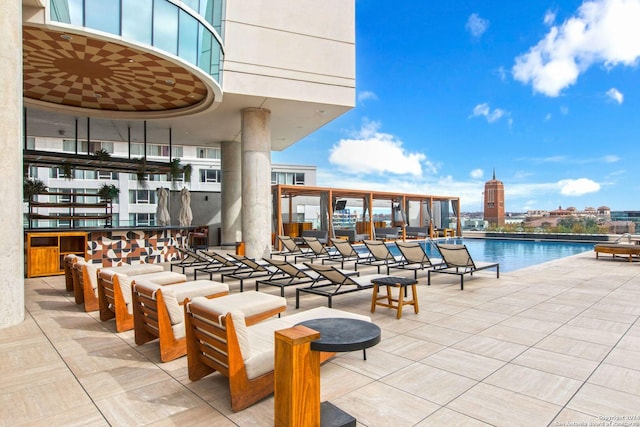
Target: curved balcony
[[190, 32]]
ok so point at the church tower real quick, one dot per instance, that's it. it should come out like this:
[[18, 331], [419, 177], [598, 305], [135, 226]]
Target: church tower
[[494, 201]]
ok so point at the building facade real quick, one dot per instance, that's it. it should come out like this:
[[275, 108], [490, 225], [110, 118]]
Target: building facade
[[201, 73]]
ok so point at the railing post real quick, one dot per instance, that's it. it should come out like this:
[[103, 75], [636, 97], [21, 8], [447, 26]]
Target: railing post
[[297, 378]]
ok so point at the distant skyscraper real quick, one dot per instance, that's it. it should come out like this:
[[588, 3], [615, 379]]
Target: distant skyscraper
[[494, 201]]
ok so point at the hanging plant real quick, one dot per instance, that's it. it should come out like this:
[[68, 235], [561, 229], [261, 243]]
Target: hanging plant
[[67, 170], [141, 173], [109, 192], [32, 187], [176, 169], [102, 154]]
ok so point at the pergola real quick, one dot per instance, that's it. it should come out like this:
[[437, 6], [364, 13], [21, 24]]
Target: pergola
[[329, 197]]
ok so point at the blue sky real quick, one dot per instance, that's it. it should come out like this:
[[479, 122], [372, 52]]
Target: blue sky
[[546, 93]]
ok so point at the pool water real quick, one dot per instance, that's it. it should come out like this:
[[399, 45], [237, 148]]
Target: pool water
[[511, 254]]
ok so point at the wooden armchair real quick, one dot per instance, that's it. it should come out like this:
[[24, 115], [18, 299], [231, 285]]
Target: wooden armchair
[[115, 294], [85, 285], [68, 262], [158, 310]]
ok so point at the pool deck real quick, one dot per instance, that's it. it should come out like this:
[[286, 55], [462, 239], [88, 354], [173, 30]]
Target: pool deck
[[553, 344]]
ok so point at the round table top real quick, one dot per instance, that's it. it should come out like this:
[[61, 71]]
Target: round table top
[[338, 334], [394, 281]]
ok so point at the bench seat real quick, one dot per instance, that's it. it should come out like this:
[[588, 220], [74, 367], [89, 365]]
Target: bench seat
[[629, 249]]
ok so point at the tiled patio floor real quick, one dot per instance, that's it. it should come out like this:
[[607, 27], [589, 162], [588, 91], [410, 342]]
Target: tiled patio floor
[[554, 344]]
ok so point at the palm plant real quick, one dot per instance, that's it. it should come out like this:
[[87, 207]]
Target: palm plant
[[109, 192], [32, 187], [102, 154]]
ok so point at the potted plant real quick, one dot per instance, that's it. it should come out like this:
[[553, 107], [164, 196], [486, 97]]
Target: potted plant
[[108, 192], [102, 154], [67, 170], [32, 187], [141, 173]]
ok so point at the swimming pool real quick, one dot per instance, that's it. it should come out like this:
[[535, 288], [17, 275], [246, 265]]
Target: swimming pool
[[512, 254]]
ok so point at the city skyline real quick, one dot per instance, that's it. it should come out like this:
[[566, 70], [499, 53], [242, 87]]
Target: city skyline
[[541, 92]]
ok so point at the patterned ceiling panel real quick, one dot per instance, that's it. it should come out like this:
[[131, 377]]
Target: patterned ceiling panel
[[78, 71]]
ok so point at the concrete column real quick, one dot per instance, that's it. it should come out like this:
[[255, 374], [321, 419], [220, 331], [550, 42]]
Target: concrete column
[[256, 182], [231, 209], [11, 142]]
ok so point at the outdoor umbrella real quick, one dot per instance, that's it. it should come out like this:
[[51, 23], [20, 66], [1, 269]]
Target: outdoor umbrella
[[186, 216], [162, 213]]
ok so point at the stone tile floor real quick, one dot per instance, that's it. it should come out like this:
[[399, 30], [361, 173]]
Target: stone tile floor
[[553, 344]]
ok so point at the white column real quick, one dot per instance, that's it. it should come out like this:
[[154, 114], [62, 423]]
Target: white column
[[256, 182], [231, 192], [11, 142]]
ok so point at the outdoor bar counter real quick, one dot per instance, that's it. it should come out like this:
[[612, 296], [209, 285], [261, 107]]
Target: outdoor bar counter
[[45, 248]]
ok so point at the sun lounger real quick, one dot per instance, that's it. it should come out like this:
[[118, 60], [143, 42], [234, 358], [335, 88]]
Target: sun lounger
[[458, 261], [291, 248], [318, 250], [222, 341], [115, 293], [222, 264], [380, 255], [158, 310], [415, 258], [345, 252], [339, 283], [190, 259], [618, 249], [250, 269]]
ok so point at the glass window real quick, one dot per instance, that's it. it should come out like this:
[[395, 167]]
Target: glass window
[[103, 15], [142, 197], [102, 175], [31, 143], [165, 26], [210, 175], [67, 11], [176, 151], [188, 38], [205, 42], [299, 179], [142, 219], [193, 4], [137, 20], [209, 153]]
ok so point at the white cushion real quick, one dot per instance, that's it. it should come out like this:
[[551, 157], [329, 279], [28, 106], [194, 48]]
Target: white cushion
[[250, 303], [159, 278], [175, 294], [133, 269]]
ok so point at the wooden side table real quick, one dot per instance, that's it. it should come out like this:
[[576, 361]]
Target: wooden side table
[[387, 300]]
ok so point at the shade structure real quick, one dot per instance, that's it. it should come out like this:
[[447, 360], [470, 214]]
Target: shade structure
[[186, 216], [162, 212]]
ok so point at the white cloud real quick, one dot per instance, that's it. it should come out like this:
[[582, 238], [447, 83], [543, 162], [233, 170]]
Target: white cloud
[[549, 17], [578, 187], [485, 111], [602, 31], [564, 110], [476, 173], [367, 95], [374, 152], [502, 73], [547, 117], [615, 94], [611, 158], [476, 25]]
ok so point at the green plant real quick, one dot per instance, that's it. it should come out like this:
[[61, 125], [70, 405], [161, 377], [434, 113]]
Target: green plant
[[67, 170], [141, 173], [109, 192], [102, 154], [176, 169], [32, 187]]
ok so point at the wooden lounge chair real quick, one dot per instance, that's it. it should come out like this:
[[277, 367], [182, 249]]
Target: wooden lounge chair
[[68, 262], [381, 256], [222, 341], [458, 261], [115, 294], [339, 283], [618, 249], [345, 252], [85, 284], [158, 310], [415, 258]]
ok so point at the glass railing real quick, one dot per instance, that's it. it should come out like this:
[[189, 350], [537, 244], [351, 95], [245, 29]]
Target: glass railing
[[158, 23]]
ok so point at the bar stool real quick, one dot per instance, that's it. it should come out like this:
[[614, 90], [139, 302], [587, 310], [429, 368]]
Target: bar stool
[[395, 303]]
